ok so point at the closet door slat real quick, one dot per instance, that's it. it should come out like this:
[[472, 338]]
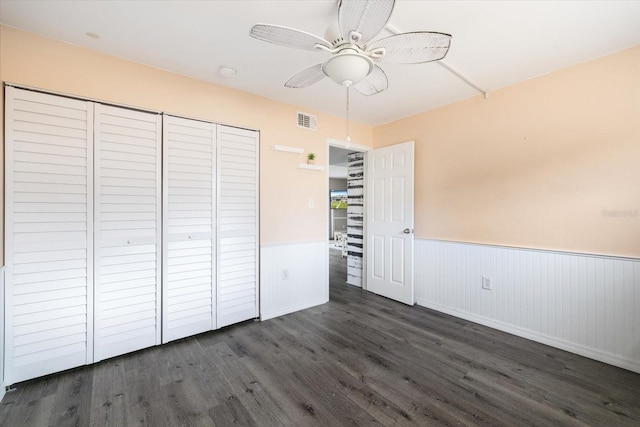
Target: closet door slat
[[127, 222], [189, 183], [238, 192], [49, 232]]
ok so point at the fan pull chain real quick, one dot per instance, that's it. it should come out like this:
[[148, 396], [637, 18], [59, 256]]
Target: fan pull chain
[[348, 134]]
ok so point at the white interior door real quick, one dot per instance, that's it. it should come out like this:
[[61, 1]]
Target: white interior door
[[49, 231], [127, 230], [189, 227], [389, 222]]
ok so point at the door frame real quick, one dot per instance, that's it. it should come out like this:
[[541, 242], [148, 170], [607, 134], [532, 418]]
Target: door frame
[[332, 142]]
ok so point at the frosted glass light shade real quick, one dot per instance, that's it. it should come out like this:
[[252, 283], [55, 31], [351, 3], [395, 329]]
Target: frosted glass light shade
[[347, 68]]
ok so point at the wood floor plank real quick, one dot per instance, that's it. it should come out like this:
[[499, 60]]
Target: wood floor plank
[[37, 397], [185, 359], [293, 405], [395, 365], [144, 403], [108, 394], [358, 360], [230, 413], [311, 405], [246, 388], [72, 406], [342, 385], [35, 413], [185, 404]]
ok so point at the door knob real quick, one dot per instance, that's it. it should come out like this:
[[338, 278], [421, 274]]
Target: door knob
[[407, 231]]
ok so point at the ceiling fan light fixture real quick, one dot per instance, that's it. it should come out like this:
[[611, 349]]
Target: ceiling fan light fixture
[[348, 68]]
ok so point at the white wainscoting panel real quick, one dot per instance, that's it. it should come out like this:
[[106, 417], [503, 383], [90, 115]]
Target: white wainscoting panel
[[306, 284], [3, 388], [586, 304]]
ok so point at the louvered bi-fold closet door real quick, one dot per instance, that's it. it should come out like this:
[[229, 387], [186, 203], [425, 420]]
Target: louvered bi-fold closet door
[[48, 240], [127, 230], [237, 288], [189, 227]]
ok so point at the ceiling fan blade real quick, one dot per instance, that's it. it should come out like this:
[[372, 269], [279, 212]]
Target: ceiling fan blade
[[306, 77], [412, 48], [286, 36], [364, 17], [374, 83]]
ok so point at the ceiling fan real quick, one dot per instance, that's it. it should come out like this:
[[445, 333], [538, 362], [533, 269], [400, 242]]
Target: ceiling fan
[[354, 57]]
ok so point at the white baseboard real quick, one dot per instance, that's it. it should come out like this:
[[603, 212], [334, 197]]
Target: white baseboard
[[293, 308], [631, 365]]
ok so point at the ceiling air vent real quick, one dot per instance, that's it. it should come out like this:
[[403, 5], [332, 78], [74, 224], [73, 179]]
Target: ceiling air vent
[[307, 121]]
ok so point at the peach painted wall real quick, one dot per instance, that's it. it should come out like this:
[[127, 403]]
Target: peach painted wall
[[550, 163], [34, 61]]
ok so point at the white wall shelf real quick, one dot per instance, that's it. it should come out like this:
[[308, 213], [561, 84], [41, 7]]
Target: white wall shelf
[[288, 149], [311, 167]]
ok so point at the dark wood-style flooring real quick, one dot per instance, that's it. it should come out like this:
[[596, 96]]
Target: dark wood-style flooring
[[358, 360]]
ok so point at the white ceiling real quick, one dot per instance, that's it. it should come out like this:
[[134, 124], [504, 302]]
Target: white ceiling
[[338, 162], [338, 156], [495, 43]]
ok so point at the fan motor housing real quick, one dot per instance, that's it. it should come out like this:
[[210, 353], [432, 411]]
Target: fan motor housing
[[333, 36]]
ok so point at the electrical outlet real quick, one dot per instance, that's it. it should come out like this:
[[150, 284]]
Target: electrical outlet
[[285, 274], [486, 283]]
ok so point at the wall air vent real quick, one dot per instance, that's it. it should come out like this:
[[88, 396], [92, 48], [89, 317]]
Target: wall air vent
[[307, 121]]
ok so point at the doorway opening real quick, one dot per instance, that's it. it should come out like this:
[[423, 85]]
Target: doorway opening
[[345, 231]]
